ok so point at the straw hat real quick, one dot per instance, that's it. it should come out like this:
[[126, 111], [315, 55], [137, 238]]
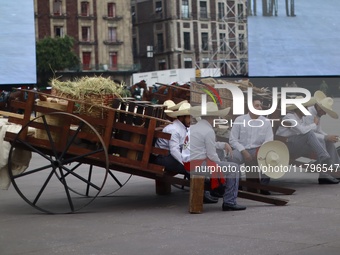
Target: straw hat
[[311, 102], [172, 106], [325, 103], [183, 110], [212, 110], [273, 159]]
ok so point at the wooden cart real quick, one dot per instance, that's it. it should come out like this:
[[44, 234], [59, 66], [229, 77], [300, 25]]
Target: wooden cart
[[79, 153]]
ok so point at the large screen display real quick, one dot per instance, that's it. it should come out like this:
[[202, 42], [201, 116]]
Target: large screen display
[[306, 44], [17, 43]]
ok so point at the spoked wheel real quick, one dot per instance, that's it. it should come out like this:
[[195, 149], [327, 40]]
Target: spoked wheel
[[114, 182], [53, 173]]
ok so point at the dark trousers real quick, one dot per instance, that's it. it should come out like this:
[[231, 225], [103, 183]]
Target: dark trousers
[[171, 165]]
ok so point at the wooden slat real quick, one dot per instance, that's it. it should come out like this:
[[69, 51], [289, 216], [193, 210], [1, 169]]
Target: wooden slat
[[262, 198], [286, 191]]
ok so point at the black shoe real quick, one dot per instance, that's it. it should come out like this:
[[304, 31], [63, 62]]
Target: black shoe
[[235, 207], [209, 199], [327, 179], [265, 192]]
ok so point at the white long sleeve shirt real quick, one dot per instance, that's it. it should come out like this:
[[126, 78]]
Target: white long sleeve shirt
[[300, 128], [308, 120], [203, 141], [175, 144], [244, 136]]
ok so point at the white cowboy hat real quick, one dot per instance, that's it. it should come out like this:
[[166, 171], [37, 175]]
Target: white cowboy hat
[[273, 159], [311, 102], [212, 110], [325, 103], [183, 110], [172, 106]]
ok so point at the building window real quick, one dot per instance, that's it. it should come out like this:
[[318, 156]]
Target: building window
[[161, 64], [185, 9], [158, 7], [160, 43], [221, 10], [241, 42], [203, 10], [205, 62], [204, 41], [85, 10], [186, 36], [58, 31], [187, 62], [57, 7], [112, 34], [113, 60], [111, 10], [133, 14], [240, 11], [134, 47], [223, 45], [86, 60], [85, 34]]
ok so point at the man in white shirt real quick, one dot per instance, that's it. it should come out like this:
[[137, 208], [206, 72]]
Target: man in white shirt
[[247, 134], [178, 129], [301, 140], [322, 107], [203, 154]]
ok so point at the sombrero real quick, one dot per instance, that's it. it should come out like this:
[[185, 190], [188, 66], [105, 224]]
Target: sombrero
[[183, 110], [212, 110], [325, 103], [311, 102], [170, 105], [273, 159]]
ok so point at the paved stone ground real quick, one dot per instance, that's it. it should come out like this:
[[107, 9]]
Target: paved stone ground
[[303, 45], [136, 221]]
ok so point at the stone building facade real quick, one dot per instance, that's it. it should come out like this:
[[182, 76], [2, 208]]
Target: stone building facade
[[101, 29], [190, 34]]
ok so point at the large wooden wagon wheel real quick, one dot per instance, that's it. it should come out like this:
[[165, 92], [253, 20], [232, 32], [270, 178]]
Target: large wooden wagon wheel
[[53, 173]]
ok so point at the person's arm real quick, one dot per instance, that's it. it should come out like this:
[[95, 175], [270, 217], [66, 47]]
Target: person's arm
[[235, 136], [210, 144], [175, 146]]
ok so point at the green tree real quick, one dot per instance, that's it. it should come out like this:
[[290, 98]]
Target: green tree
[[54, 54]]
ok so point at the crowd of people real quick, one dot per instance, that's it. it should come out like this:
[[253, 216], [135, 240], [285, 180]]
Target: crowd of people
[[194, 146]]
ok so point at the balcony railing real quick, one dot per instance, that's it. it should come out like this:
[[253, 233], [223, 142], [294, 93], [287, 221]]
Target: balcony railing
[[110, 42], [86, 16], [115, 18], [58, 15], [106, 68]]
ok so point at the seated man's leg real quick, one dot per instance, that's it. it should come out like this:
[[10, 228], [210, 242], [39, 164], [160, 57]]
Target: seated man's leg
[[300, 144], [171, 165], [231, 173]]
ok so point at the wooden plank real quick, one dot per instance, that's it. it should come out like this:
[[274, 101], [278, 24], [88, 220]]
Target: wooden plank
[[196, 194], [282, 190], [262, 198]]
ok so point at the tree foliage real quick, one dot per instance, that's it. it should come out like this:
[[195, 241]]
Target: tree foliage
[[55, 54]]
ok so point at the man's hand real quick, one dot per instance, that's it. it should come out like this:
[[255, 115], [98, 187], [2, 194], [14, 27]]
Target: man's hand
[[246, 155], [228, 150], [331, 138]]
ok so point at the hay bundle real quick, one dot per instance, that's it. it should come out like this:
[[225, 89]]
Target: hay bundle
[[94, 91]]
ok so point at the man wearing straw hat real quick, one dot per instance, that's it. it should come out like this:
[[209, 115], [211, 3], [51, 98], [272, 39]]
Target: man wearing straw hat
[[301, 139], [247, 134], [322, 107], [203, 154], [178, 129]]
